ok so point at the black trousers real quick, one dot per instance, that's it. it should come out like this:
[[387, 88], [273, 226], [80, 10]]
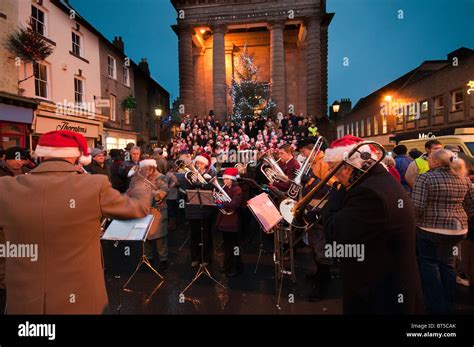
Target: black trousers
[[232, 259], [195, 226]]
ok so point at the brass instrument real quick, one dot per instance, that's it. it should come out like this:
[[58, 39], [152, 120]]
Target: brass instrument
[[292, 210], [190, 171], [272, 170], [295, 188], [220, 195], [242, 168], [135, 171]]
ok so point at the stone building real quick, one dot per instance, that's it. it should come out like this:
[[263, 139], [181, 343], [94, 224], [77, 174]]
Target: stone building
[[432, 99], [288, 40]]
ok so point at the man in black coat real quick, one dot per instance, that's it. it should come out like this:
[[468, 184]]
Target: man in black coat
[[370, 227]]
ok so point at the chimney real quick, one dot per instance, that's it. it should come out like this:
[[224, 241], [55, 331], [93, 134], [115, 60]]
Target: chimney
[[143, 65], [117, 42]]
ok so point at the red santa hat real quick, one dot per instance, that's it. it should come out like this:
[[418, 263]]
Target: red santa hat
[[147, 163], [203, 158], [231, 173], [63, 144], [340, 149]]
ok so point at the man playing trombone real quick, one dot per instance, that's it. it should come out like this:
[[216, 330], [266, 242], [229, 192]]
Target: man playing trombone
[[370, 227]]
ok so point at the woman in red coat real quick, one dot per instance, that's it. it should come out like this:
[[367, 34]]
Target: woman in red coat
[[228, 223]]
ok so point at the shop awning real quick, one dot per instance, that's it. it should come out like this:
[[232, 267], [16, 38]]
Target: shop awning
[[18, 114]]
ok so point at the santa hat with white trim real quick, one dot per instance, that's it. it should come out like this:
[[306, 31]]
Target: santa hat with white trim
[[147, 163], [340, 149], [63, 144], [231, 173], [203, 158]]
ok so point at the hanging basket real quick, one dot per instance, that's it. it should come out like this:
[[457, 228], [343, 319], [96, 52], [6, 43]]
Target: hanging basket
[[28, 45], [129, 103]]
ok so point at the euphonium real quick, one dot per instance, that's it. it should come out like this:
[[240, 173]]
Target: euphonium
[[292, 210], [272, 170], [190, 170], [220, 195]]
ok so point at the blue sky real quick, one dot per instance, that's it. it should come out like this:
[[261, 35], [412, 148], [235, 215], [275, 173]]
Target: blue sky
[[380, 46]]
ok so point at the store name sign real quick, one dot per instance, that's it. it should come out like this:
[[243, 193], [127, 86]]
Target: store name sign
[[471, 87], [430, 135], [45, 124], [75, 128]]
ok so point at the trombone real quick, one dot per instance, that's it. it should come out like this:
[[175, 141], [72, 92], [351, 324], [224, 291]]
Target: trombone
[[296, 187], [220, 195], [292, 211], [135, 171]]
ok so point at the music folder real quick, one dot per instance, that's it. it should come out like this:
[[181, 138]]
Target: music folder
[[129, 230], [265, 211]]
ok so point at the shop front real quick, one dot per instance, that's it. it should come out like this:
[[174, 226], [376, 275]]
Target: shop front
[[16, 117], [89, 128], [116, 139]]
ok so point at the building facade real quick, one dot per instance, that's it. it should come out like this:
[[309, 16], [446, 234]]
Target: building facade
[[66, 84], [117, 86], [287, 39], [151, 96], [432, 99], [16, 112], [86, 85]]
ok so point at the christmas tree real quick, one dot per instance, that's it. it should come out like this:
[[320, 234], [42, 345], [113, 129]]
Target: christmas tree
[[250, 96]]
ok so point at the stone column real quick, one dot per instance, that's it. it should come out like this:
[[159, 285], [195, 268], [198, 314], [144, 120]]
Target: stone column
[[277, 65], [313, 68], [218, 72], [186, 68]]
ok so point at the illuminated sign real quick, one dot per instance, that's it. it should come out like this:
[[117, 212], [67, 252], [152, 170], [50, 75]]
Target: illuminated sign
[[471, 87]]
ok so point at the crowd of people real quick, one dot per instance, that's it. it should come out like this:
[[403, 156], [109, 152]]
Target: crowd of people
[[412, 212]]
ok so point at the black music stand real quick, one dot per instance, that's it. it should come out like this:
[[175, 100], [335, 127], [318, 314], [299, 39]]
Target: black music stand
[[201, 198]]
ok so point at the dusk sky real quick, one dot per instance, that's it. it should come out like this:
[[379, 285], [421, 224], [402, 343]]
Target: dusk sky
[[380, 47]]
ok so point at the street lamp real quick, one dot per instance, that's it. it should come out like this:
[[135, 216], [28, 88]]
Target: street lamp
[[336, 107], [158, 113]]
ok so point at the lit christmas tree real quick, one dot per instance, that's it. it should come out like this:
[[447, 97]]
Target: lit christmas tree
[[250, 96]]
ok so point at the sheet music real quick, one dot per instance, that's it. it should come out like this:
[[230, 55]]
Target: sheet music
[[128, 230], [265, 211]]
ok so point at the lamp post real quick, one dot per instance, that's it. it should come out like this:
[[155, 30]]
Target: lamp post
[[158, 113], [336, 105]]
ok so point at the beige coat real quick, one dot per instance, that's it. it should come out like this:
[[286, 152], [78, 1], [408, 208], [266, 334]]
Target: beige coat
[[60, 211]]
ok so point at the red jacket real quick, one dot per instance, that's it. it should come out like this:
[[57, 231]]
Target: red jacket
[[230, 222], [289, 169]]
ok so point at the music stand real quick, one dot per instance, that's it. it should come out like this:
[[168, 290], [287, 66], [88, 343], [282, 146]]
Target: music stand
[[201, 198], [132, 230]]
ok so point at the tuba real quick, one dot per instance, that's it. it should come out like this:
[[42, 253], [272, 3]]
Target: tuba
[[295, 188], [220, 195], [242, 168], [292, 210], [272, 170]]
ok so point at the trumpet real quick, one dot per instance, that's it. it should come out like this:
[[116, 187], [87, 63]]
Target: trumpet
[[272, 170], [135, 171], [220, 195], [292, 210], [189, 172]]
